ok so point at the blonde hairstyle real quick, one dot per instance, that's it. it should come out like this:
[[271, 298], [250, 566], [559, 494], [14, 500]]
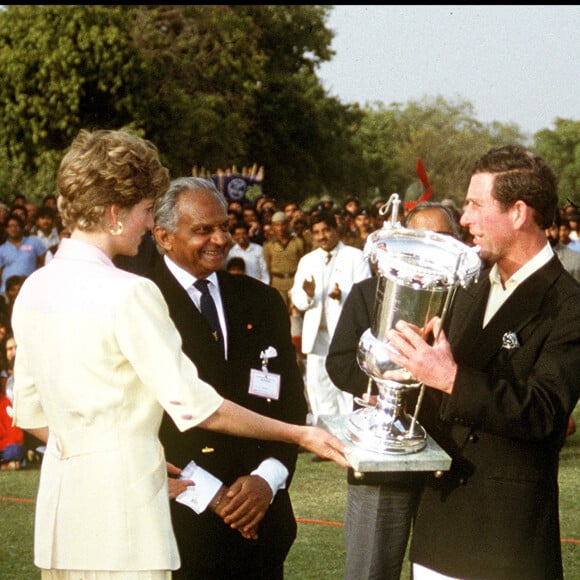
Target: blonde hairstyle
[[103, 168]]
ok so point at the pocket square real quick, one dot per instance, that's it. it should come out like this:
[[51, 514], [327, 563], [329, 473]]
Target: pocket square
[[270, 352], [510, 340]]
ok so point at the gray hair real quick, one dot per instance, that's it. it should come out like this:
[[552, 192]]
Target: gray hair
[[446, 211], [165, 213]]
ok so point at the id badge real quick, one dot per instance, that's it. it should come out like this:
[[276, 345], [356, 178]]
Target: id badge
[[264, 384]]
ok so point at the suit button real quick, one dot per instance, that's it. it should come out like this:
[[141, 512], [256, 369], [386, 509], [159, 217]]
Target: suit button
[[462, 481], [438, 474], [473, 438]]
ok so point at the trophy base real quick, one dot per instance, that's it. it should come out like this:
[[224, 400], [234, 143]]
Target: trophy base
[[375, 430]]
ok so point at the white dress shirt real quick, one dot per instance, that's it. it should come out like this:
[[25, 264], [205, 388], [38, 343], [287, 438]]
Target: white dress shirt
[[253, 257]]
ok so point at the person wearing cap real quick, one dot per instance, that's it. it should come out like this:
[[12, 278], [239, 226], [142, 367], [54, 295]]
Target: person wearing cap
[[362, 226], [282, 253]]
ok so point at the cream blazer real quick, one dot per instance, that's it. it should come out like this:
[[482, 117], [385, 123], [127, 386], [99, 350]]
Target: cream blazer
[[98, 359], [347, 267]]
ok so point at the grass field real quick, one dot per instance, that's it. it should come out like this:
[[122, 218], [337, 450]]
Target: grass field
[[318, 493]]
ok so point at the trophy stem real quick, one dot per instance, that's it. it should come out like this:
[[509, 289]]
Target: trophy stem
[[387, 428]]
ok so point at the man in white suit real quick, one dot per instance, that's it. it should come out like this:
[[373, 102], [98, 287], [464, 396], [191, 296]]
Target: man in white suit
[[322, 283]]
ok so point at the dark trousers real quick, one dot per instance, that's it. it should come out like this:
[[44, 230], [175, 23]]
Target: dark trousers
[[376, 529]]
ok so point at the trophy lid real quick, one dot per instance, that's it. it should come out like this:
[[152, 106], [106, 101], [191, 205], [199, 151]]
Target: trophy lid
[[421, 258]]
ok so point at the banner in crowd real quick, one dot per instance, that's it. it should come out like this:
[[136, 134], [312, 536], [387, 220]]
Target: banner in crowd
[[234, 184]]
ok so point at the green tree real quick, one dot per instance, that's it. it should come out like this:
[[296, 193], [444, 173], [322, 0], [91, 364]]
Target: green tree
[[222, 85], [208, 68], [63, 68], [212, 86], [445, 134], [301, 135], [560, 147]]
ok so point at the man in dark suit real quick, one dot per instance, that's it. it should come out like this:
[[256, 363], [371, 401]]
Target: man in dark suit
[[502, 386], [252, 529]]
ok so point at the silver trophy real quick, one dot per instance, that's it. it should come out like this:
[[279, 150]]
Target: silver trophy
[[419, 272]]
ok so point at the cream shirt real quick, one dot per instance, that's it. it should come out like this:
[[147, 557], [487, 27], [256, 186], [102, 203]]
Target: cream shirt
[[498, 294]]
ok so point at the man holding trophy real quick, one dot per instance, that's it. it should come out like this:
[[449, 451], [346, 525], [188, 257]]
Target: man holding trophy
[[502, 377]]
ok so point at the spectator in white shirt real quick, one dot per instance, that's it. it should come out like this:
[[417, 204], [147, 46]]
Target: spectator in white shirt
[[252, 253], [46, 231]]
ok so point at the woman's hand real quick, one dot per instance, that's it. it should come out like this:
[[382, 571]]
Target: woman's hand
[[175, 485]]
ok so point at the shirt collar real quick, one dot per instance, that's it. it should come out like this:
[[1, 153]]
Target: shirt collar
[[533, 265], [184, 278], [332, 252]]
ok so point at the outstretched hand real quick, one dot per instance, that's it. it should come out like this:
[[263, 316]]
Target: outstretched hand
[[324, 444]]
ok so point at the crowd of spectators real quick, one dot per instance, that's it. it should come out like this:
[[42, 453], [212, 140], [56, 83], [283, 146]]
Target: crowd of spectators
[[29, 236], [271, 237]]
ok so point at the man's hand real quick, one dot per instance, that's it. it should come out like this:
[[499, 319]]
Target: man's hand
[[309, 286], [245, 504], [335, 293], [370, 399], [176, 486], [432, 365]]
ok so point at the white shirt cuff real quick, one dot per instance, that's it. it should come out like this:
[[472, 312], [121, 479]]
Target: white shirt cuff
[[274, 472]]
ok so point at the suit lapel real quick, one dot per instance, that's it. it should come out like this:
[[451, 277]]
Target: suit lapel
[[190, 322], [467, 318], [475, 345]]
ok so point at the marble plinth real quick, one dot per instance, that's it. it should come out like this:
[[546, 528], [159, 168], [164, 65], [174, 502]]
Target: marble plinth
[[431, 458]]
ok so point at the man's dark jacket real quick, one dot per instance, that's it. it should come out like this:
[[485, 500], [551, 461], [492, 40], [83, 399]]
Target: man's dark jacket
[[256, 319], [494, 515]]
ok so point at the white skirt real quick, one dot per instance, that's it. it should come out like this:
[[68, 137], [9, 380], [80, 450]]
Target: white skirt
[[105, 575]]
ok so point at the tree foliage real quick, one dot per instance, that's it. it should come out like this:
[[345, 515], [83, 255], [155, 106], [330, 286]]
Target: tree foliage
[[63, 68], [560, 147], [445, 135], [220, 85], [207, 68]]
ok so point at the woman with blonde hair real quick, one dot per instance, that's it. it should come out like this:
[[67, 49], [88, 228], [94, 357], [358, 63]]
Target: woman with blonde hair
[[98, 362]]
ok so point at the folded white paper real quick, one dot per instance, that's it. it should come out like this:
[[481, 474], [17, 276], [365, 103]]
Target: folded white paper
[[198, 496]]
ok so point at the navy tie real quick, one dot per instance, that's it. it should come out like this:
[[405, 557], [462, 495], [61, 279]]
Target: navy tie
[[209, 311]]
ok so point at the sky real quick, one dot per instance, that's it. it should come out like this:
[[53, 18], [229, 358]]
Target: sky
[[514, 64]]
